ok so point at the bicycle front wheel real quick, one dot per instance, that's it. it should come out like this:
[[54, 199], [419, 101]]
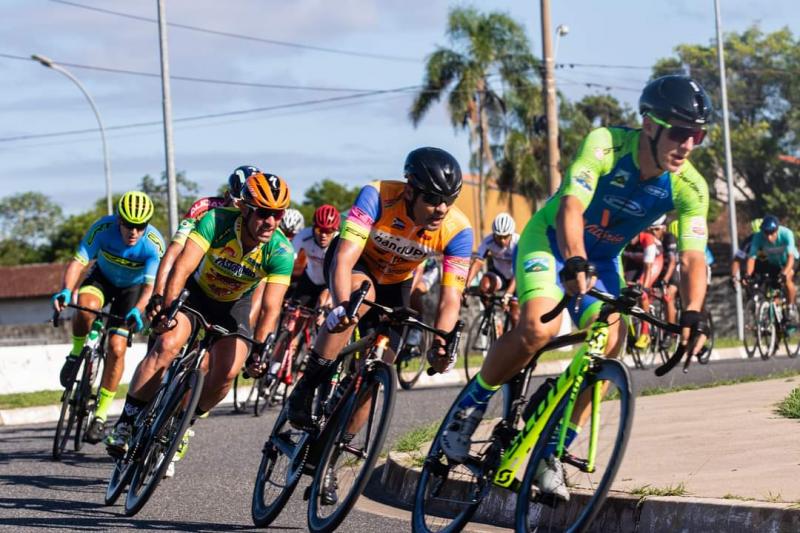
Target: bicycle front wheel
[[705, 354], [65, 420], [166, 434], [765, 331], [281, 467], [352, 449], [606, 390], [480, 337], [410, 366], [750, 328]]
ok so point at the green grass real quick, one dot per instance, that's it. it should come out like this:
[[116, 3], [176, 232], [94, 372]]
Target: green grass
[[730, 496], [669, 490], [790, 406], [727, 342], [720, 383], [411, 441], [39, 398]]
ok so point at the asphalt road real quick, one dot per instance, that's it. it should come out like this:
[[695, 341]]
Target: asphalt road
[[213, 484]]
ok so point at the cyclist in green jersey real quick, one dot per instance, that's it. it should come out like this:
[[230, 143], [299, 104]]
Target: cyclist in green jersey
[[226, 256], [620, 182]]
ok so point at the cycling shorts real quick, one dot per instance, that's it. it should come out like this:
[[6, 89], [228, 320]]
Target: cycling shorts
[[539, 262], [233, 316], [122, 300], [504, 281]]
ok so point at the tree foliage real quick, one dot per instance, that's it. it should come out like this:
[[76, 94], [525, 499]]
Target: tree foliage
[[326, 192], [763, 85]]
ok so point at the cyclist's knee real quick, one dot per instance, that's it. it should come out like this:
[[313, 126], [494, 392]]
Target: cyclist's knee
[[532, 334]]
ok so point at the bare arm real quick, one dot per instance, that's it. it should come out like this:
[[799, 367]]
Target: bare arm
[[788, 270], [569, 228], [449, 307], [693, 285], [186, 263], [346, 257], [72, 275], [270, 310], [165, 266], [751, 266], [474, 268], [299, 264]]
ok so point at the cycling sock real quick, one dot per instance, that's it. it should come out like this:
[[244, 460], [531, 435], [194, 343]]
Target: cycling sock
[[131, 409], [104, 399], [77, 345], [317, 369], [478, 394], [572, 432]]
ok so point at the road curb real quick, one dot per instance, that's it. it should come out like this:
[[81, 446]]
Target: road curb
[[49, 413], [624, 512]]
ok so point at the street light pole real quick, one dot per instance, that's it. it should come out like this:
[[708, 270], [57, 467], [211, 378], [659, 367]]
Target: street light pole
[[726, 132], [561, 31], [47, 62], [553, 173], [169, 151]]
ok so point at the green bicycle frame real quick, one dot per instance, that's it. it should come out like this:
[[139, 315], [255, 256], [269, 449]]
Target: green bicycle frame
[[569, 382]]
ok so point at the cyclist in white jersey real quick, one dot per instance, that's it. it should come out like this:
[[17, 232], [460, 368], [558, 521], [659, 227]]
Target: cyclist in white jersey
[[500, 248], [310, 245]]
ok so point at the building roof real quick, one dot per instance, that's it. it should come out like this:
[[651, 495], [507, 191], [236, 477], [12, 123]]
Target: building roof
[[31, 281]]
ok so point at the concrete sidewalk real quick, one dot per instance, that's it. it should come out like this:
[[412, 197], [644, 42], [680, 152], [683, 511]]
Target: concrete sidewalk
[[738, 461]]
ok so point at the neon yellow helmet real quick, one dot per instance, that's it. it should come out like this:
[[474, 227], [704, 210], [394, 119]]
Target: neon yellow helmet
[[135, 207], [756, 224], [673, 227]]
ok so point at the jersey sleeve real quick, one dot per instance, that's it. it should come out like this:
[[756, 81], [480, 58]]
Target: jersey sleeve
[[483, 249], [365, 211], [791, 247], [184, 229], [455, 263], [280, 263], [690, 196], [755, 245], [649, 247], [593, 159], [203, 232], [155, 248], [90, 244]]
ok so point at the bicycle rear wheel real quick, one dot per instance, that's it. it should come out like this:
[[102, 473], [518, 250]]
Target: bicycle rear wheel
[[791, 338], [634, 330], [480, 337], [409, 367], [705, 355], [765, 331], [352, 449], [608, 389], [281, 467], [172, 422], [448, 494], [66, 420]]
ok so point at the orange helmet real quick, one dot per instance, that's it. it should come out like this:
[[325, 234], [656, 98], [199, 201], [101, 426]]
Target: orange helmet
[[265, 190]]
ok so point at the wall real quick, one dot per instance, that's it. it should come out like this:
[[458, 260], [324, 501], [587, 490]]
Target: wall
[[25, 311]]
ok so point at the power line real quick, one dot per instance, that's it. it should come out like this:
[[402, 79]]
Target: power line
[[288, 44], [197, 79], [211, 115]]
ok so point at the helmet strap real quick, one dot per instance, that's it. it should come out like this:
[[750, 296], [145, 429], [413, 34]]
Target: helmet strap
[[246, 220], [653, 147]]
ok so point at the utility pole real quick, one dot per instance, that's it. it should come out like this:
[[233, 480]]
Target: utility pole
[[172, 189], [553, 174], [726, 132]]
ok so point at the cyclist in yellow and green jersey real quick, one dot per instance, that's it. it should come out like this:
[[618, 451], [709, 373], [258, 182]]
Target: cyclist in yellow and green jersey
[[619, 183]]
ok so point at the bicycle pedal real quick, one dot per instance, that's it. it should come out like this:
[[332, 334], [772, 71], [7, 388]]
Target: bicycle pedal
[[307, 494]]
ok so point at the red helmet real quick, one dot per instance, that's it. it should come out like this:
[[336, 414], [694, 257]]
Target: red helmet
[[326, 217]]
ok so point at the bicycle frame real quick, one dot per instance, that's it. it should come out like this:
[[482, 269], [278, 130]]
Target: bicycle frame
[[569, 382]]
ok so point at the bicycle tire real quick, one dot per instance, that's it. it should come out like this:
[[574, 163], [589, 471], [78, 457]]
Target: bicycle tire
[[750, 328], [475, 333], [633, 334], [282, 439], [65, 422], [765, 330], [791, 338], [705, 355], [82, 404], [267, 389], [173, 418], [237, 407], [409, 369], [608, 370], [118, 481], [378, 386], [436, 470]]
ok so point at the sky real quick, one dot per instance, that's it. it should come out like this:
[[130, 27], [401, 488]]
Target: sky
[[352, 140]]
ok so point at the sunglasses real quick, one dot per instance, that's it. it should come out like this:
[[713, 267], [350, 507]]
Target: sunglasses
[[436, 199], [680, 134], [264, 213], [325, 231], [137, 227]]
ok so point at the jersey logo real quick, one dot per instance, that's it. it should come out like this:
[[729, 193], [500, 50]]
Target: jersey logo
[[656, 191], [625, 205], [398, 224], [155, 240], [405, 248], [536, 264], [580, 180], [620, 179], [102, 227], [121, 261], [601, 234]]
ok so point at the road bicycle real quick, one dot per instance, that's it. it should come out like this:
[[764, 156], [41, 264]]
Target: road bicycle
[[485, 329], [341, 451], [448, 493], [160, 427], [657, 351], [79, 398], [287, 355], [768, 309]]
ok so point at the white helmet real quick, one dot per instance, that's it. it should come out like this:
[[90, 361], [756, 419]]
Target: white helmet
[[503, 225], [292, 221], [660, 221]]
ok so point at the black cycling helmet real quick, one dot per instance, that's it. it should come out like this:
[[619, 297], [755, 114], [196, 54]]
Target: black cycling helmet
[[769, 225], [676, 97], [237, 179], [432, 170]]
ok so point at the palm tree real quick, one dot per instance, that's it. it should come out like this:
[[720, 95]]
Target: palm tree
[[485, 48]]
